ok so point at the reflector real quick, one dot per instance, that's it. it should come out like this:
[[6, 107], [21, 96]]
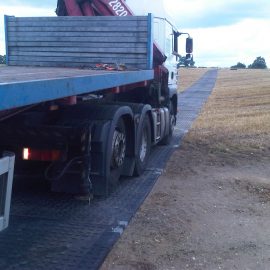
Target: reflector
[[41, 155], [25, 153]]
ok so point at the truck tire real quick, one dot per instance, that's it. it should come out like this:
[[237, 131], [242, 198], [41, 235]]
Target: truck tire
[[118, 153], [144, 146], [167, 139]]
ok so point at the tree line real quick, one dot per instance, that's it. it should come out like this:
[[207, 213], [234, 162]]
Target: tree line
[[258, 63]]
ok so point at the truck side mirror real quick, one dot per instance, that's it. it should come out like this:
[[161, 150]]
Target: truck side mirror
[[189, 45], [175, 41]]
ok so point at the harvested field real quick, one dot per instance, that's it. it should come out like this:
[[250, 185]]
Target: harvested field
[[211, 208], [236, 119]]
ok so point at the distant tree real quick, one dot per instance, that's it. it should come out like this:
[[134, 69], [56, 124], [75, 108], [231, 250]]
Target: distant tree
[[259, 62], [2, 59], [239, 65]]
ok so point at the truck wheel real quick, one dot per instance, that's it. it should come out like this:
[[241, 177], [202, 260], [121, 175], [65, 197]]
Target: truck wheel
[[167, 139], [144, 146], [118, 153]]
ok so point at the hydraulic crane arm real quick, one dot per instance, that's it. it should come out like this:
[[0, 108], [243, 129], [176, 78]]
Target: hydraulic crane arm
[[101, 8], [92, 8]]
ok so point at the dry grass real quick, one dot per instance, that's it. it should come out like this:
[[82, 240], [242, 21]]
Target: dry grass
[[236, 118], [187, 76]]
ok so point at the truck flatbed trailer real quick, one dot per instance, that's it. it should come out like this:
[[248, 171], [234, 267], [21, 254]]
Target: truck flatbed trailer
[[22, 86], [64, 113], [76, 126]]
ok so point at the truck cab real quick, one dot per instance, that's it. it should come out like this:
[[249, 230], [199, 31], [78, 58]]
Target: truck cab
[[165, 33]]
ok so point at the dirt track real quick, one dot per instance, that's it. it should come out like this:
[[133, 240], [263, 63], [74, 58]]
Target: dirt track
[[209, 210]]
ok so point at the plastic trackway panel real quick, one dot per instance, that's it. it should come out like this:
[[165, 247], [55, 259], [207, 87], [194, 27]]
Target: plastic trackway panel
[[52, 231]]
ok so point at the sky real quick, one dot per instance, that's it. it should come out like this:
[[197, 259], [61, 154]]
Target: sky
[[225, 32]]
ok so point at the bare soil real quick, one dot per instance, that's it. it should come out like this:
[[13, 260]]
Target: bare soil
[[211, 207]]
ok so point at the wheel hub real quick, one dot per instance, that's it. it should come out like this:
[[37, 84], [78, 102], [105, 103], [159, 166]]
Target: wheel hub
[[118, 149]]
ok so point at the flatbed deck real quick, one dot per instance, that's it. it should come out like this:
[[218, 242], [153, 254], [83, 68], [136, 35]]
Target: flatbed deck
[[21, 86]]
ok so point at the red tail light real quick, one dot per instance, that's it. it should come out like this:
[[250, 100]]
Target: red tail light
[[41, 155]]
